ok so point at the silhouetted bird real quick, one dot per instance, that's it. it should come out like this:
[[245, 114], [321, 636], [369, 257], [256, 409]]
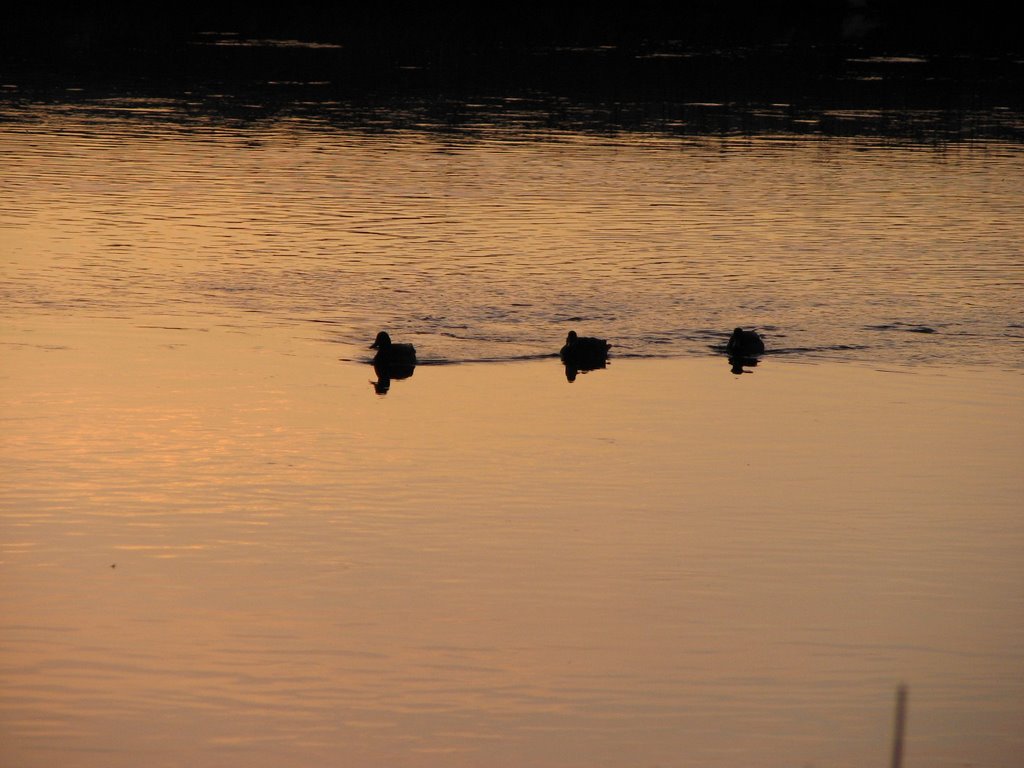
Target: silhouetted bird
[[390, 354], [583, 353], [744, 343], [584, 349]]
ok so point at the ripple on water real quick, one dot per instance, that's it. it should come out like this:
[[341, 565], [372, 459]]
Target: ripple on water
[[491, 247]]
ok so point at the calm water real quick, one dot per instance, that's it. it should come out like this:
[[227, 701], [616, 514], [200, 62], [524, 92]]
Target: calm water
[[219, 546]]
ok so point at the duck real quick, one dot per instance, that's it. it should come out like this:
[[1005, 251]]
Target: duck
[[744, 343], [584, 348], [391, 354]]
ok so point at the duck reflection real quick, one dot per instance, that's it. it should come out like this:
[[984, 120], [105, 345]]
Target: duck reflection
[[740, 364], [392, 361], [387, 373], [583, 353], [572, 370]]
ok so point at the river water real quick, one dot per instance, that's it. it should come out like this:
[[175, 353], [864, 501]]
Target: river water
[[486, 242], [220, 545]]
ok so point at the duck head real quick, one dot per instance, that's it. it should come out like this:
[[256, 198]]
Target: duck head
[[383, 341]]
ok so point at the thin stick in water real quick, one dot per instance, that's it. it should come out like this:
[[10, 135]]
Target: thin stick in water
[[899, 726]]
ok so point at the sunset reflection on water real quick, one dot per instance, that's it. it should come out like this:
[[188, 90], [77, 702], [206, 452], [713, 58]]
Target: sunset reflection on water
[[487, 242], [492, 565], [226, 539]]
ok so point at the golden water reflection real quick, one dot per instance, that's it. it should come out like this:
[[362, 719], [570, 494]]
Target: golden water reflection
[[485, 242], [222, 548]]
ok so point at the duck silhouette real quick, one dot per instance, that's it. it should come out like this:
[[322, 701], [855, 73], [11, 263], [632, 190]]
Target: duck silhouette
[[392, 361], [744, 344], [583, 353], [392, 355], [584, 348]]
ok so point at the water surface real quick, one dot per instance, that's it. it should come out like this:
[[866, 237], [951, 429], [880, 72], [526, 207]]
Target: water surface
[[221, 547], [490, 242]]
